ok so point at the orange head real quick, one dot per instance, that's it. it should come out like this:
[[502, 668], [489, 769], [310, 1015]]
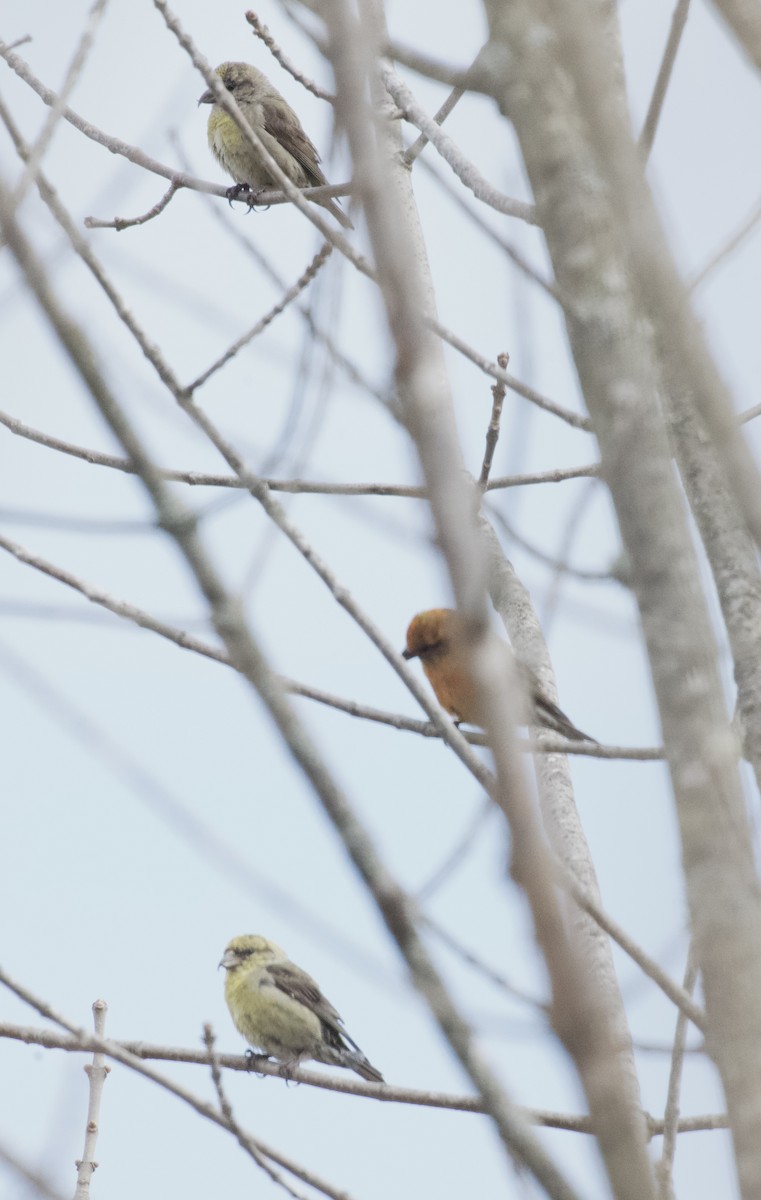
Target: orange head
[[435, 637], [431, 634]]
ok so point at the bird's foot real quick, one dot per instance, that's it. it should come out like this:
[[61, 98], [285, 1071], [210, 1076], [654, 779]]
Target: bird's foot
[[285, 1070], [243, 191], [252, 1058]]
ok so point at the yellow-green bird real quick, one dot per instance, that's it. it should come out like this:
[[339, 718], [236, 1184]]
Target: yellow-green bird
[[280, 1009], [278, 127]]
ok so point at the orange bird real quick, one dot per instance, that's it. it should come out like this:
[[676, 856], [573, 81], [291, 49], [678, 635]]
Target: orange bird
[[436, 638]]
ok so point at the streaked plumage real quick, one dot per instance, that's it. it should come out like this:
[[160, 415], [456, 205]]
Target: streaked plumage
[[436, 638], [281, 1011]]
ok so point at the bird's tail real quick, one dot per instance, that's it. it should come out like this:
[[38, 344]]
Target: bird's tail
[[358, 1063], [352, 1060], [334, 208], [551, 717]]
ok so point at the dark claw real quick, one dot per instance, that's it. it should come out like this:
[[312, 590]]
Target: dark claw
[[242, 191], [285, 1073], [252, 1059]]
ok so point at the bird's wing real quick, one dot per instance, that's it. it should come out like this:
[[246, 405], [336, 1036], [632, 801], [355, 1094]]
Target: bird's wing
[[301, 987], [292, 138]]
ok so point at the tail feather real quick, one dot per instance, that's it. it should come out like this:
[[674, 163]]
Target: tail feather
[[358, 1063], [335, 210], [551, 717], [352, 1061]]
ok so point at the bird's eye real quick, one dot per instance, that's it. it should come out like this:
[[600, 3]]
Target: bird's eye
[[231, 85]]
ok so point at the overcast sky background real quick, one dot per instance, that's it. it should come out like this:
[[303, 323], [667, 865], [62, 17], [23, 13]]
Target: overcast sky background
[[106, 892]]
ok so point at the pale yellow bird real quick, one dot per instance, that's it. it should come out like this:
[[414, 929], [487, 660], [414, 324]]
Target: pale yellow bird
[[273, 120], [281, 1011]]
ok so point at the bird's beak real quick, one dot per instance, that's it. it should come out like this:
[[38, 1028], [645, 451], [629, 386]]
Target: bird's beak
[[207, 98], [228, 959], [409, 654]]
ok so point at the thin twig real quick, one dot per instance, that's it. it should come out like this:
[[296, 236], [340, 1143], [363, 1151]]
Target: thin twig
[[456, 856], [492, 432], [494, 977], [262, 32], [664, 1168], [645, 1047], [575, 420], [426, 66], [136, 1054], [750, 414], [295, 487], [418, 146], [463, 201], [678, 22], [78, 60], [464, 169], [320, 258], [649, 966], [560, 568], [115, 145], [724, 251], [244, 1141], [119, 223], [96, 1072], [429, 67], [354, 373]]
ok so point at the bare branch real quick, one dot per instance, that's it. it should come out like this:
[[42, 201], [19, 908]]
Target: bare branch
[[720, 256], [244, 1141], [417, 60], [295, 487], [138, 1052], [262, 32], [96, 1074], [440, 116], [678, 22], [120, 223], [665, 1166], [319, 260], [450, 152], [45, 136], [744, 19], [492, 433]]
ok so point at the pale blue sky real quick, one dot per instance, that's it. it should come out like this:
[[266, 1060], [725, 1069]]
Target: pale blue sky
[[105, 895]]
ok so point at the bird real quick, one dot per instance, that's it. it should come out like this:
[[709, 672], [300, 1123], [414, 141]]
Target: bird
[[279, 129], [280, 1009], [436, 637]]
